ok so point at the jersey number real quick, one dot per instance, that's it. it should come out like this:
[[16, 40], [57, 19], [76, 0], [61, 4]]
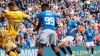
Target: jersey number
[[49, 20]]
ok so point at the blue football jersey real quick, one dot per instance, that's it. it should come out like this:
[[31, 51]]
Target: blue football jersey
[[48, 20], [71, 25], [89, 35]]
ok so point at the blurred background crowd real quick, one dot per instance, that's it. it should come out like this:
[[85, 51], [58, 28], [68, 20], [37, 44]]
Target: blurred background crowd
[[83, 12]]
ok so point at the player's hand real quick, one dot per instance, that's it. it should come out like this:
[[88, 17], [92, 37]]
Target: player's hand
[[71, 31], [36, 29]]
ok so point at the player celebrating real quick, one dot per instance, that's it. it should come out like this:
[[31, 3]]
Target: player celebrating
[[47, 20], [71, 28], [15, 18], [89, 36]]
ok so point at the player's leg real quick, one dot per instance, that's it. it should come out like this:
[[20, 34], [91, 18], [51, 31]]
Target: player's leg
[[61, 46], [9, 52], [88, 46], [3, 47], [9, 45], [4, 44], [92, 48], [55, 50], [42, 41], [14, 47], [16, 50], [41, 46], [68, 47], [53, 42], [68, 40]]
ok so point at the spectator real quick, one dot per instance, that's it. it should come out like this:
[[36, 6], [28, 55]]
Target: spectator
[[81, 28], [97, 40], [18, 41], [98, 28], [67, 3], [33, 41], [21, 33], [58, 31], [79, 39], [23, 43], [28, 41], [82, 14], [98, 17]]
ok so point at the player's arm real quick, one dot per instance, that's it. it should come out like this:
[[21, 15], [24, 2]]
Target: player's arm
[[28, 19], [38, 25], [75, 27]]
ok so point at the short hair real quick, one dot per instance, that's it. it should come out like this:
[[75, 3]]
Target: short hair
[[12, 3], [67, 14], [45, 5]]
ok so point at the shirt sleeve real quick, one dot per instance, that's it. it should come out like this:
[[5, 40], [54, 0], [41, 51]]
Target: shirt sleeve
[[75, 25], [5, 15], [23, 15]]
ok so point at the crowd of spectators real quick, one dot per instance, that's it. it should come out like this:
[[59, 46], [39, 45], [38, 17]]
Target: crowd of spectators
[[83, 12]]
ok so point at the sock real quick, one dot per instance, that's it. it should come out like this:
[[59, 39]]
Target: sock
[[92, 50], [69, 49], [12, 53], [58, 53], [39, 52], [16, 53], [87, 48], [55, 50], [63, 50]]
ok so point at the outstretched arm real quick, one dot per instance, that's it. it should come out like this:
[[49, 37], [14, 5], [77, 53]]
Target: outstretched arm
[[37, 25], [28, 19], [31, 21]]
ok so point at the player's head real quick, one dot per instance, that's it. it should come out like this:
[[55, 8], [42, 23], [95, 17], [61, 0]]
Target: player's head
[[12, 6], [67, 16], [90, 27], [44, 6]]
